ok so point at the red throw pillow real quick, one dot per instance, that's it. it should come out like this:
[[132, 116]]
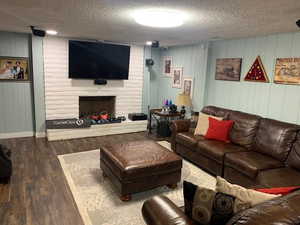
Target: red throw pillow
[[279, 190], [219, 130]]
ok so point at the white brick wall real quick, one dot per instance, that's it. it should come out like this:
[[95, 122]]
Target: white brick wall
[[62, 94]]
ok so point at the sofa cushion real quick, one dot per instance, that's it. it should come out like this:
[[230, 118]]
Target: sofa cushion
[[244, 128], [216, 111], [188, 139], [217, 149], [219, 130], [250, 163], [279, 177], [279, 211], [248, 195], [203, 123], [275, 138], [294, 157]]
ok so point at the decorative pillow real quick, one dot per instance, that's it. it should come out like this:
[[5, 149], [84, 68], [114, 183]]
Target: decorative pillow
[[203, 123], [219, 130], [209, 207], [278, 190], [247, 195]]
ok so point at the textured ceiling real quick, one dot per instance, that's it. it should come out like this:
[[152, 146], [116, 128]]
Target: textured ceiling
[[111, 19]]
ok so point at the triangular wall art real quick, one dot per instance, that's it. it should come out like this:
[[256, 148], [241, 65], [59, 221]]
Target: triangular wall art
[[257, 72]]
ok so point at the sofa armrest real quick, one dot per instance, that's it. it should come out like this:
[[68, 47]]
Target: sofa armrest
[[161, 210], [281, 210], [178, 126]]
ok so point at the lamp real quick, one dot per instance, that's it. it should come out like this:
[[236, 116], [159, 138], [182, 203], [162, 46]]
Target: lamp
[[183, 100]]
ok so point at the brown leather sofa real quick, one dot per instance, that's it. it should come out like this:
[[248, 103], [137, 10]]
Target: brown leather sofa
[[262, 153], [279, 211]]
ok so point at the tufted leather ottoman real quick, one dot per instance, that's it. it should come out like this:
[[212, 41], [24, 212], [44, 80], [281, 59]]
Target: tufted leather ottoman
[[139, 166]]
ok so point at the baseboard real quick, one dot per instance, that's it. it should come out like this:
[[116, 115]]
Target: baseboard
[[40, 134], [16, 135]]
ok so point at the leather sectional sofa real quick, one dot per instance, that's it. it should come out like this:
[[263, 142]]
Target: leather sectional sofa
[[262, 153], [284, 210]]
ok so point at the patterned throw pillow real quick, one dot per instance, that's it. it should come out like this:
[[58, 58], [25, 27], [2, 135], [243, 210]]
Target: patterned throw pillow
[[209, 207]]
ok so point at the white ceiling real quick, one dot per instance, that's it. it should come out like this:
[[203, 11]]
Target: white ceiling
[[111, 19]]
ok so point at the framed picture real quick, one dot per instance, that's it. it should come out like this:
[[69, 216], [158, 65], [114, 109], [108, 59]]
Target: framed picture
[[287, 71], [257, 72], [228, 69], [177, 77], [14, 69], [188, 86], [167, 66]]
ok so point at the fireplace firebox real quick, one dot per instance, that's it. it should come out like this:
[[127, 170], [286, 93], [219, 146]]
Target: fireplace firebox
[[95, 105]]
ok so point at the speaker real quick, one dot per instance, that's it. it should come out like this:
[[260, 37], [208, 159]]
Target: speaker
[[298, 23], [137, 116], [36, 32], [149, 62], [100, 82], [155, 44]]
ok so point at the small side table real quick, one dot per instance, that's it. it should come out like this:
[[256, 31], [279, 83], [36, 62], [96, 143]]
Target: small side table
[[166, 116]]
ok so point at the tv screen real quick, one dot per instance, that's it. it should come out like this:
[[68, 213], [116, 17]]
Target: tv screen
[[94, 60]]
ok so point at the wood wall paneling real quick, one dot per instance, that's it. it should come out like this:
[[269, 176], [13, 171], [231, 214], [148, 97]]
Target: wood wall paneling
[[271, 100], [15, 97]]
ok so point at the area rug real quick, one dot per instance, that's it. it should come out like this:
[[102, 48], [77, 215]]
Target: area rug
[[96, 200]]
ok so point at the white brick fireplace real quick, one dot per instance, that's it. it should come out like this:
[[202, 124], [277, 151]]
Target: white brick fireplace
[[62, 94]]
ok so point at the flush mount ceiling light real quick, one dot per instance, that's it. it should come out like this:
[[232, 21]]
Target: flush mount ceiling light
[[162, 18], [148, 42], [51, 32]]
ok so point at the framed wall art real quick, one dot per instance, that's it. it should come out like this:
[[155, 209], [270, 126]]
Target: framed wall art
[[257, 72], [177, 77], [228, 69], [167, 63], [14, 69], [287, 71], [188, 86]]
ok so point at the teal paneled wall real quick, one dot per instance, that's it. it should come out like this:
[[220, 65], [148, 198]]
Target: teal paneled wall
[[38, 84], [155, 72], [151, 79], [16, 111], [271, 100], [193, 59]]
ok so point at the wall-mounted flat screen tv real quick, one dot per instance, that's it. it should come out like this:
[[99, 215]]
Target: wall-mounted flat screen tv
[[96, 60]]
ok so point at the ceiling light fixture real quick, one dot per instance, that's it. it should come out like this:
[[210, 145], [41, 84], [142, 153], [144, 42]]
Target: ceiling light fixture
[[148, 42], [162, 18], [51, 32]]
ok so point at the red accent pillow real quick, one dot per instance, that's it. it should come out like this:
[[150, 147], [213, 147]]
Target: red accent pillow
[[219, 129], [279, 190]]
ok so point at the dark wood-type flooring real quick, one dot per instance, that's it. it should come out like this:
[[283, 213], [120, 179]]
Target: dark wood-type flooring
[[38, 193]]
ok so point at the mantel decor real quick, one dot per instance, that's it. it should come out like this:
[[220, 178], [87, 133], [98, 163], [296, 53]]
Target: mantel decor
[[257, 72], [287, 71], [67, 123], [14, 69]]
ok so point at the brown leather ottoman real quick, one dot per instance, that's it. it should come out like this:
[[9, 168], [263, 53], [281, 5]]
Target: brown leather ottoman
[[139, 166]]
